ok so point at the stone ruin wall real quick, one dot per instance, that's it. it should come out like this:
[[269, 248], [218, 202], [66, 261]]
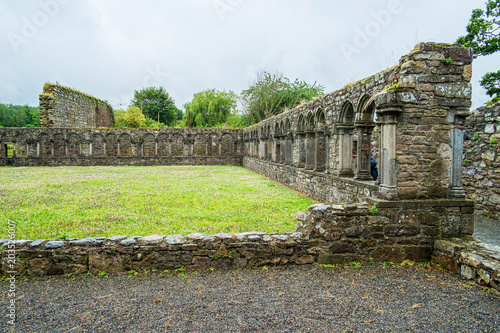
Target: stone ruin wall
[[414, 112], [411, 116], [481, 175], [338, 234], [119, 146], [66, 107]]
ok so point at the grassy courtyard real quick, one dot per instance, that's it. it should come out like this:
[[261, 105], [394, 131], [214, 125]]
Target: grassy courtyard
[[76, 202]]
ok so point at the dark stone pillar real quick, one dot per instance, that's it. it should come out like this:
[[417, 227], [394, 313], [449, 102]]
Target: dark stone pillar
[[364, 150], [310, 150]]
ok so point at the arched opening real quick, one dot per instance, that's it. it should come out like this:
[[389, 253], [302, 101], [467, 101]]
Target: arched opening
[[282, 143], [345, 132], [288, 143], [310, 142], [320, 142], [364, 127], [301, 138], [277, 143]]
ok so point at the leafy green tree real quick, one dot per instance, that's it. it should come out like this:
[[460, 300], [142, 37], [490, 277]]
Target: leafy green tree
[[19, 116], [156, 104], [483, 36], [210, 108], [272, 94], [132, 118]]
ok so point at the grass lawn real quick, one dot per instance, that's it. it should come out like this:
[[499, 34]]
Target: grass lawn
[[76, 202]]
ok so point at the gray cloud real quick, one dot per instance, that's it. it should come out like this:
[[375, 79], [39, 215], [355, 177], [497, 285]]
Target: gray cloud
[[109, 48]]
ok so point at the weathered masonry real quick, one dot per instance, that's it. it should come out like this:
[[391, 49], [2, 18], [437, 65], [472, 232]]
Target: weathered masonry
[[409, 117], [65, 107], [113, 146], [482, 160]]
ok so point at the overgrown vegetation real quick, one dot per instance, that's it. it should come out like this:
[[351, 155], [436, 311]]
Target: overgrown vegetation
[[272, 94], [483, 36], [19, 116], [75, 202], [209, 108]]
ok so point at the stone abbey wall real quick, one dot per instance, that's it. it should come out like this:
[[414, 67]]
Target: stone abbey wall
[[482, 160], [113, 146], [66, 107], [410, 117]]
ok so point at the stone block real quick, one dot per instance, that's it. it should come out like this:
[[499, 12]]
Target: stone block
[[418, 253], [387, 253], [201, 262], [448, 263], [398, 230], [108, 262], [468, 272]]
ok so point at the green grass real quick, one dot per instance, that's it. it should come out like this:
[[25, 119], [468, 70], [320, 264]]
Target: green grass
[[76, 202]]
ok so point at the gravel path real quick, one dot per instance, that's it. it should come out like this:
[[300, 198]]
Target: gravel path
[[293, 299]]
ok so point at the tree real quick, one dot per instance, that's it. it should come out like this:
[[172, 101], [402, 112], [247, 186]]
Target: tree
[[483, 36], [271, 94], [210, 108], [19, 116], [156, 104], [132, 118]]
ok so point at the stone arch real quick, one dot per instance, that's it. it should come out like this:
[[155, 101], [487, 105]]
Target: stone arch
[[364, 127], [163, 146], [200, 145], [227, 145], [215, 144], [74, 141], [44, 145], [148, 145], [125, 145], [320, 141], [97, 142], [288, 141], [21, 145], [59, 144], [177, 145], [345, 131], [310, 142], [301, 138], [6, 142], [347, 114], [362, 103], [111, 145]]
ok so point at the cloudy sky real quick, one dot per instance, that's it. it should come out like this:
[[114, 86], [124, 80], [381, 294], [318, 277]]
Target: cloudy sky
[[110, 48]]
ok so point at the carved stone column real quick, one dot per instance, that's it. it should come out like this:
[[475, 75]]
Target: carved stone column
[[345, 150], [456, 189], [365, 130], [310, 150], [301, 138], [320, 151], [388, 169]]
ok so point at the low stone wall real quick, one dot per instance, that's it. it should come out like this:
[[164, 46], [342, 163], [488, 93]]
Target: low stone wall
[[118, 146], [326, 234], [66, 107], [481, 175], [316, 185], [471, 259], [124, 161]]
